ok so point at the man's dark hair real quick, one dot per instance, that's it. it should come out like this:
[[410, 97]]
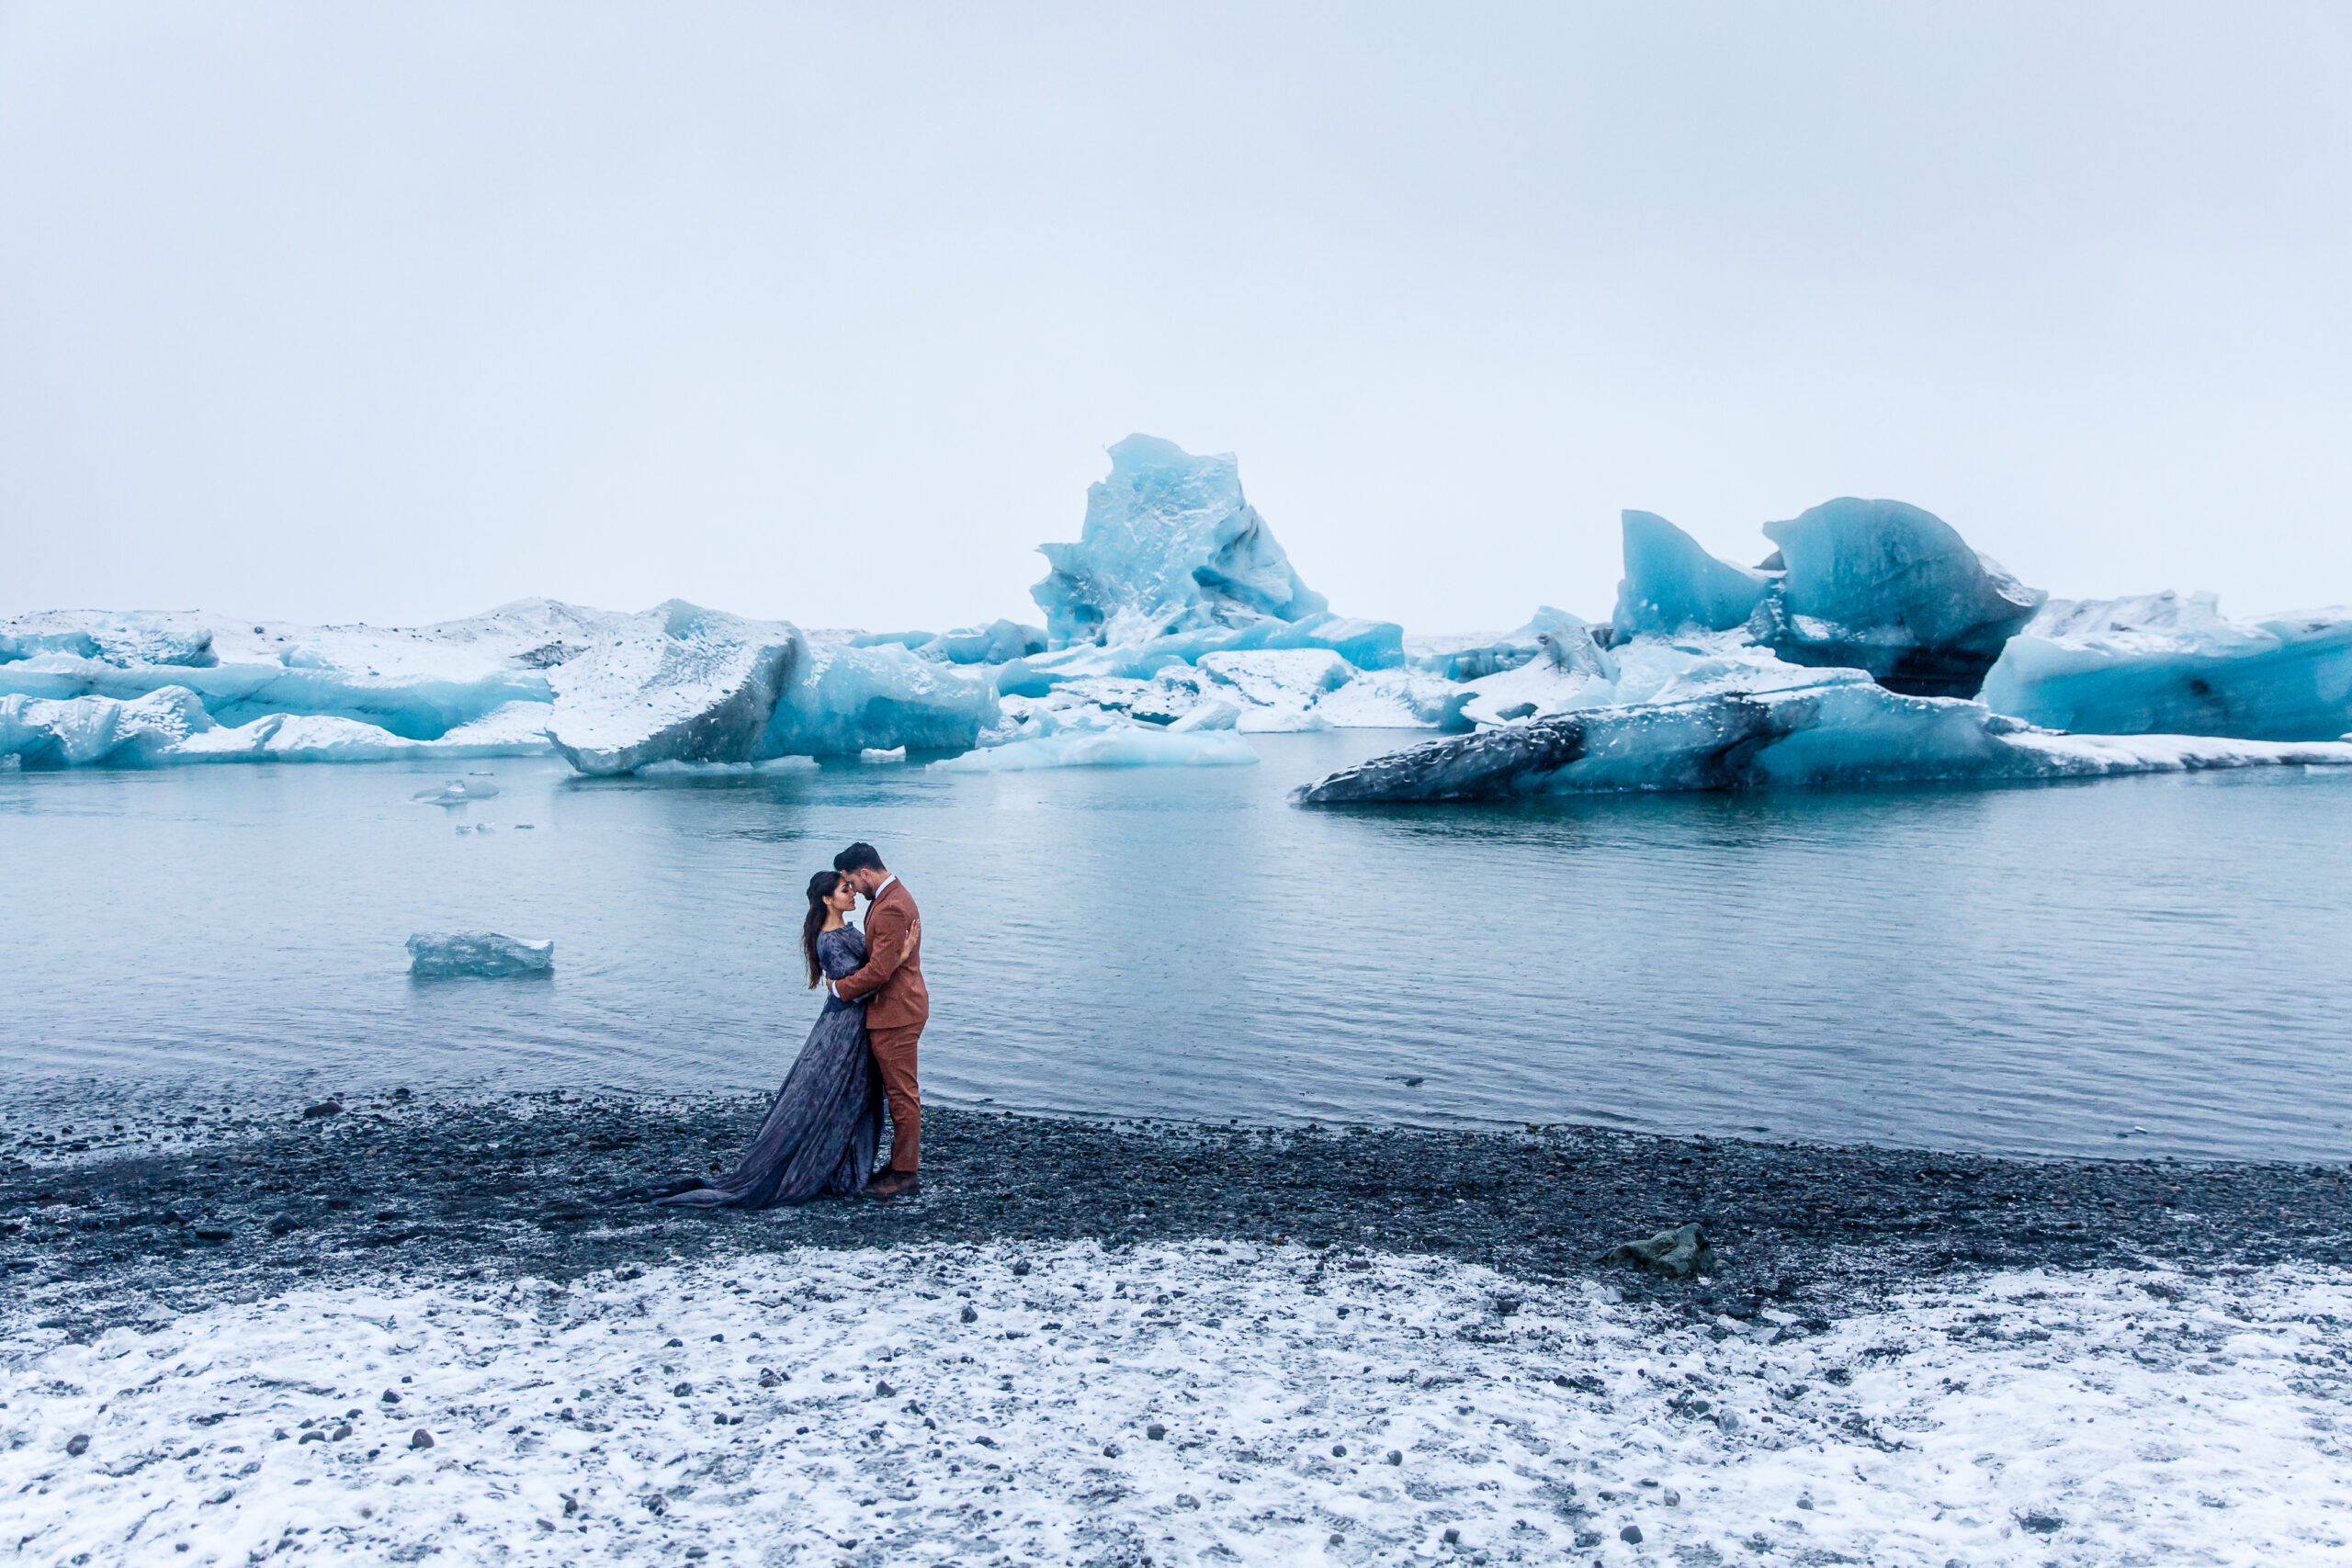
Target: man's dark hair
[[859, 857]]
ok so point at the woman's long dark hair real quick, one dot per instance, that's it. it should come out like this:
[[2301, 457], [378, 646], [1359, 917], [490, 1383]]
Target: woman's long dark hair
[[820, 887]]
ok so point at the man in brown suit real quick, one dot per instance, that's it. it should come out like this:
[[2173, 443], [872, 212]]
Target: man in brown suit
[[902, 1005]]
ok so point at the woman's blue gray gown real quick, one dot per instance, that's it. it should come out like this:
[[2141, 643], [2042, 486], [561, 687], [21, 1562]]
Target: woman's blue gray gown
[[824, 1132]]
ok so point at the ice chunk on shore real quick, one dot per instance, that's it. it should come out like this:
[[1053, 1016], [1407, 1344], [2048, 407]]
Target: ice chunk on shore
[[1123, 746], [1672, 584], [1855, 732], [2173, 663], [443, 955], [1887, 587], [1169, 544]]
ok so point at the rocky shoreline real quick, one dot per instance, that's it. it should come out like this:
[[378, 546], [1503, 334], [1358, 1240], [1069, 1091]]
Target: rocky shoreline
[[230, 1203]]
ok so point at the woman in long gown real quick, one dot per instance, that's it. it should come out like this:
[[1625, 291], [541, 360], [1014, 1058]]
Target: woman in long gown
[[823, 1133]]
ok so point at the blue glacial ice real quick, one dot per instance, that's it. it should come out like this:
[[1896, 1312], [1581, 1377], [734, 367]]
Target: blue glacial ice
[[416, 683], [1850, 732], [1887, 587], [992, 644], [1368, 645], [685, 684], [844, 700], [1671, 584], [1176, 616], [1169, 544], [489, 955], [2162, 662]]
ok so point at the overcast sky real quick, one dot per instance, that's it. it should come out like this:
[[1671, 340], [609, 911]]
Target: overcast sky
[[395, 312]]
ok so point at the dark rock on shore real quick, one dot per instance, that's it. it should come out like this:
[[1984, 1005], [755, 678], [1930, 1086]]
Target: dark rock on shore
[[509, 1188]]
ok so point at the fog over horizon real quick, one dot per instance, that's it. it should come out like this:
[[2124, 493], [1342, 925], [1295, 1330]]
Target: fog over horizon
[[395, 313]]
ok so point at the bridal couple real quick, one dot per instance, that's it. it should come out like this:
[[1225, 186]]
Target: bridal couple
[[824, 1132]]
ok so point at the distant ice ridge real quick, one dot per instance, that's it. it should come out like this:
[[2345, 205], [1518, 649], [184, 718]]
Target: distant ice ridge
[[1176, 612]]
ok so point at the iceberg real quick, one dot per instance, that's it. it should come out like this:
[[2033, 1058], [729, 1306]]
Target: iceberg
[[1169, 544], [678, 684], [1854, 732], [1395, 699], [685, 684], [1671, 584], [992, 644], [1276, 689], [444, 956], [844, 700], [1126, 746], [2173, 663], [1887, 587], [415, 684], [75, 732], [1368, 645]]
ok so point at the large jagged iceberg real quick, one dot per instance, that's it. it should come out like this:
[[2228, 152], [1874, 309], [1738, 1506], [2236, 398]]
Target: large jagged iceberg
[[2169, 663], [1850, 732], [1887, 587], [1169, 544]]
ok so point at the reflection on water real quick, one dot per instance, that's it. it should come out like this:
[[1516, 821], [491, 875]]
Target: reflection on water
[[2026, 970]]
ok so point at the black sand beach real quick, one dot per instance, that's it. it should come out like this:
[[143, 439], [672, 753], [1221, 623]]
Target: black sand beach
[[118, 1218]]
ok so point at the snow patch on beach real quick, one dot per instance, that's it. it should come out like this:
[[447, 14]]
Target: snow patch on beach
[[1191, 1404]]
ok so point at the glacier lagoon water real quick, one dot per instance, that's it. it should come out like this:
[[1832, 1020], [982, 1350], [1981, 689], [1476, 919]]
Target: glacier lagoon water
[[2026, 970]]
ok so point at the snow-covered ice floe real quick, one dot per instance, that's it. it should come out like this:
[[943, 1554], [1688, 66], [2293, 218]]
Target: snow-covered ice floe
[[1198, 1405], [1850, 732]]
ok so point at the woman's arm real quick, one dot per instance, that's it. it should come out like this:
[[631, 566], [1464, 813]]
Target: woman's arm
[[890, 938]]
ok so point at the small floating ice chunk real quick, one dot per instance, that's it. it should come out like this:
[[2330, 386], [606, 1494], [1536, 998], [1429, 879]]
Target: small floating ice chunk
[[441, 956], [882, 754], [457, 792]]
